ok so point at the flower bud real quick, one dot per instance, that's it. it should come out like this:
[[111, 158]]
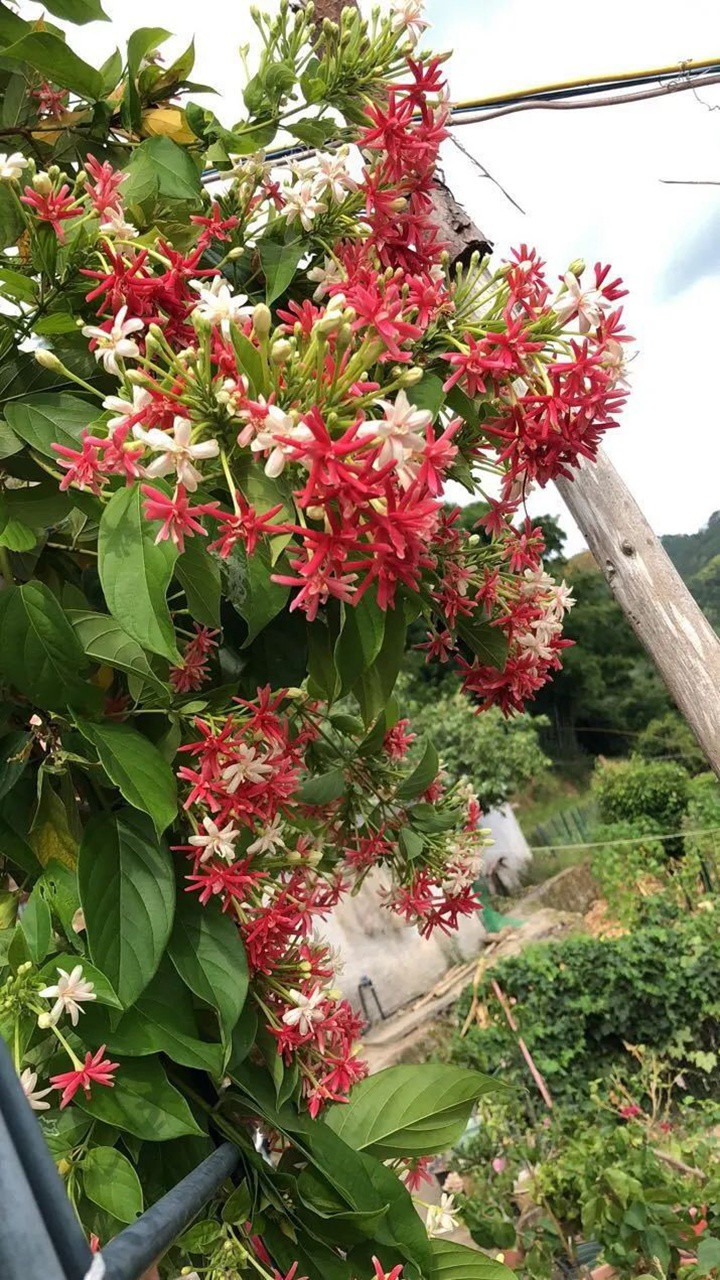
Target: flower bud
[[262, 320], [42, 183], [315, 513], [577, 267], [280, 351], [44, 1021], [49, 360], [410, 377], [237, 252]]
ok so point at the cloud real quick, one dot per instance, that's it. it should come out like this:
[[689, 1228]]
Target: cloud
[[695, 257]]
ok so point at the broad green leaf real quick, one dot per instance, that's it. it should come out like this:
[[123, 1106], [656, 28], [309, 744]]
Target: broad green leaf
[[104, 640], [10, 444], [243, 1037], [161, 1021], [199, 576], [456, 1262], [250, 362], [427, 393], [360, 640], [127, 891], [50, 836], [314, 133], [16, 536], [424, 773], [40, 653], [251, 590], [323, 788], [17, 286], [36, 924], [48, 419], [486, 642], [202, 1237], [160, 168], [142, 42], [142, 1101], [110, 1181], [60, 886], [279, 264], [238, 1205], [135, 573], [12, 222], [313, 1257], [64, 1132], [375, 685], [52, 57], [39, 506], [207, 952], [104, 993], [111, 71], [12, 26], [401, 1232], [79, 12], [135, 765], [410, 1110]]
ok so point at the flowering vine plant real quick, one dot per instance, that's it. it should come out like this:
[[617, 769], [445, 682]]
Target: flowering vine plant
[[234, 385]]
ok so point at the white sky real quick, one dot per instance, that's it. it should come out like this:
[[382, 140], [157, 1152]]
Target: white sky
[[588, 180]]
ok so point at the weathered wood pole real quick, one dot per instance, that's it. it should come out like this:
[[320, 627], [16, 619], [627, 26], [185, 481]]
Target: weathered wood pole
[[661, 611]]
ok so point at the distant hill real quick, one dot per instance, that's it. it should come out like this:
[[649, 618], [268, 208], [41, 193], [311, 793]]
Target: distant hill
[[696, 556]]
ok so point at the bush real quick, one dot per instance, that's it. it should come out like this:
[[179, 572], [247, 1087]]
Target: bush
[[669, 737], [619, 867], [579, 1000], [631, 789]]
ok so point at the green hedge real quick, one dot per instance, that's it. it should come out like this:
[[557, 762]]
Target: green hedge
[[578, 1000]]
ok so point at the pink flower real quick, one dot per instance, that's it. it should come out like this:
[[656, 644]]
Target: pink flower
[[179, 519], [96, 1070]]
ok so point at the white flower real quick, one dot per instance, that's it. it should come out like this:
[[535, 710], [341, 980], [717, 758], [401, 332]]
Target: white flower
[[614, 360], [125, 409], [246, 767], [218, 305], [306, 1012], [115, 227], [11, 166], [330, 173], [402, 435], [590, 304], [270, 838], [407, 16], [441, 1217], [277, 435], [115, 344], [68, 993], [176, 452], [301, 202], [218, 842], [329, 273], [28, 1080]]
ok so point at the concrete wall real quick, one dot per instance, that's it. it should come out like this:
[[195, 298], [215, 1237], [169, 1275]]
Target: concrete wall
[[375, 943]]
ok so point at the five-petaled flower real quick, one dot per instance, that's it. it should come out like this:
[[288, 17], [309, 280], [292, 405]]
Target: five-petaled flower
[[70, 990], [94, 1070], [112, 342]]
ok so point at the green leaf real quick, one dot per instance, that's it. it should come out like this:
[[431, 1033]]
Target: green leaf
[[237, 1207], [135, 765], [401, 1232], [251, 591], [208, 953], [105, 641], [201, 1238], [135, 573], [162, 1020], [47, 419], [486, 642], [708, 1253], [127, 891], [243, 1037], [54, 59], [50, 837], [323, 788], [410, 1110], [314, 133], [250, 362], [456, 1262], [79, 12], [377, 683], [12, 222], [360, 640], [38, 506], [160, 168], [142, 1101], [279, 264], [36, 924], [16, 536], [104, 993], [110, 1181], [142, 42], [17, 286], [422, 775], [199, 576], [428, 393], [40, 654], [14, 754], [64, 1132]]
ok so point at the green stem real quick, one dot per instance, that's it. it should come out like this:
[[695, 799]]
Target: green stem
[[5, 567]]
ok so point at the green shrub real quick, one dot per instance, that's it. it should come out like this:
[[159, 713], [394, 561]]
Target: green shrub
[[617, 865], [628, 790], [668, 737], [579, 1000]]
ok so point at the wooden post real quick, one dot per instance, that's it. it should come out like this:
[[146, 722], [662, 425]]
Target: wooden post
[[652, 595]]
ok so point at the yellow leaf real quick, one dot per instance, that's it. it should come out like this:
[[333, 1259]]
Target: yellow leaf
[[50, 836], [103, 678], [167, 122], [64, 121]]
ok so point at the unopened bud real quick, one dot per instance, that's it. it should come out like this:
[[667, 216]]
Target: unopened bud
[[410, 377], [136, 377], [44, 1021], [577, 267], [262, 320], [25, 967], [237, 252], [49, 360], [315, 513], [330, 323], [42, 183], [344, 337], [280, 351], [474, 539]]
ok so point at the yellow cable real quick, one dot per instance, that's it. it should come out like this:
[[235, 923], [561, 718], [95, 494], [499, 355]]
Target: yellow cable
[[614, 78]]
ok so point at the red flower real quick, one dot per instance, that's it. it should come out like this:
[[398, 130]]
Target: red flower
[[96, 1070], [178, 517], [380, 1274], [53, 207]]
